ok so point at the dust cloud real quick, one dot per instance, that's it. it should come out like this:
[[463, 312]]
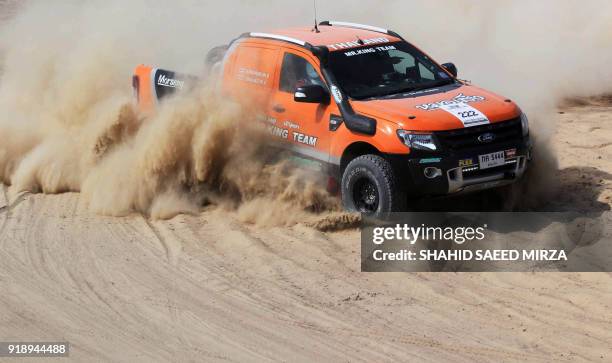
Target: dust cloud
[[68, 125], [538, 53], [71, 126]]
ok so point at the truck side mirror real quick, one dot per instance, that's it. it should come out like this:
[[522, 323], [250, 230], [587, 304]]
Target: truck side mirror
[[311, 94], [451, 68]]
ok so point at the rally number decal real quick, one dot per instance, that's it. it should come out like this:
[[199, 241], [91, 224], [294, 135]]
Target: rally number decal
[[467, 114]]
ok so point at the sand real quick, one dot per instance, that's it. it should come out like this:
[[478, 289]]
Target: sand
[[209, 288]]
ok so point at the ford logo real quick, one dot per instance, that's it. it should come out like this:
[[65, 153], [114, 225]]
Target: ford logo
[[486, 138]]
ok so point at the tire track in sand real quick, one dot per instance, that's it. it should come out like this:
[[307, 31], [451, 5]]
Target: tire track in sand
[[3, 209], [243, 293], [168, 241], [172, 248], [6, 207], [3, 198], [592, 147]]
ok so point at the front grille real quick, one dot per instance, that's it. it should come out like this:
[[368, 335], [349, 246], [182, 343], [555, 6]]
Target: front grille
[[464, 139]]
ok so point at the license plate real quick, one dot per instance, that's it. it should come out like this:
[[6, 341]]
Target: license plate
[[492, 160]]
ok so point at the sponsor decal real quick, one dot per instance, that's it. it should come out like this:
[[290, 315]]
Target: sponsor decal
[[335, 91], [253, 76], [305, 139], [162, 80], [459, 99], [430, 160], [357, 43], [468, 115], [420, 92], [298, 137], [291, 125], [353, 53], [466, 162], [278, 132]]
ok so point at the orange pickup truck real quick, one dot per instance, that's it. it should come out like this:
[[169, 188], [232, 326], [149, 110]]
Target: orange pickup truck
[[380, 116]]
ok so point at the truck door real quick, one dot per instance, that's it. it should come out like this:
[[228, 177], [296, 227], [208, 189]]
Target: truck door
[[251, 78], [306, 125]]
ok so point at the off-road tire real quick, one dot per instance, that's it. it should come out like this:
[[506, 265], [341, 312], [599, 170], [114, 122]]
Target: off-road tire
[[374, 169]]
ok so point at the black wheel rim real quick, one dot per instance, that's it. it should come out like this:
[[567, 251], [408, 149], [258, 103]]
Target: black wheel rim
[[365, 196]]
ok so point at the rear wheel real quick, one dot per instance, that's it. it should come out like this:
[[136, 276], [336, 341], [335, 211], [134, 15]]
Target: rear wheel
[[370, 186]]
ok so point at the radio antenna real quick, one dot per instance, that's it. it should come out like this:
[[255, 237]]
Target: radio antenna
[[316, 27]]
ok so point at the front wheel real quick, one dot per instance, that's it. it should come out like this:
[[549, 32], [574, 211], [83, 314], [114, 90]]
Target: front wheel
[[370, 186]]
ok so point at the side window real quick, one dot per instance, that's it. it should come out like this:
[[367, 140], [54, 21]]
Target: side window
[[426, 73], [297, 72]]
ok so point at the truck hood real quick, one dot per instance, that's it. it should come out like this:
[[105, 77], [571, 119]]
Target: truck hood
[[422, 111]]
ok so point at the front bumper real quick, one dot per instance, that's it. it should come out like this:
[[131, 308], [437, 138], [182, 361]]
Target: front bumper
[[461, 172], [461, 181]]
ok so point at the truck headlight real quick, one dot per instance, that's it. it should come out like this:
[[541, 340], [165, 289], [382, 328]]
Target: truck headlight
[[525, 124], [419, 141]]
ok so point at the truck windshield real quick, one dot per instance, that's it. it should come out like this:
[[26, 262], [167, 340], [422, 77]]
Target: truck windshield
[[385, 70]]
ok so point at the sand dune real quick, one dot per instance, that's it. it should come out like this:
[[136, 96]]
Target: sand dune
[[209, 288]]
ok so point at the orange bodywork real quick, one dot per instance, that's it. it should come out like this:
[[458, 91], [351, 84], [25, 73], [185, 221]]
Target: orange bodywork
[[143, 88], [281, 109], [251, 75], [266, 55]]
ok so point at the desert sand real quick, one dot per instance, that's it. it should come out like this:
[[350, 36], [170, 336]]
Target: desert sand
[[210, 288]]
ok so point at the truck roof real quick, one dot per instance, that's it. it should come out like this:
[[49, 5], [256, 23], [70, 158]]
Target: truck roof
[[338, 36]]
